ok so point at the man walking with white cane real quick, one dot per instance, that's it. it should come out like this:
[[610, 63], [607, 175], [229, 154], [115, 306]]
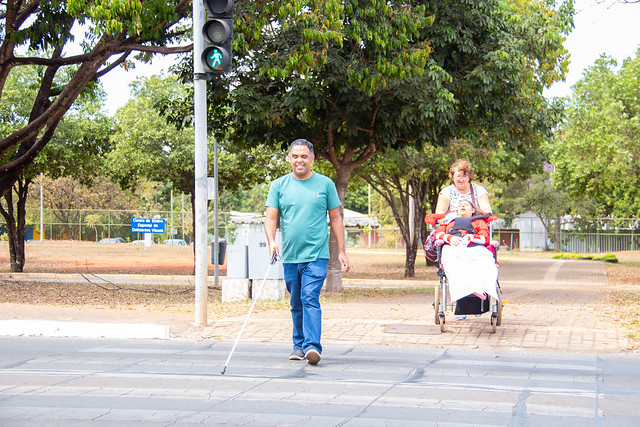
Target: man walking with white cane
[[301, 200]]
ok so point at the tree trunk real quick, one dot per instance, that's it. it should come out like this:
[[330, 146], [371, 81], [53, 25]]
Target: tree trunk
[[413, 245], [15, 225], [557, 233], [333, 282], [16, 250], [410, 260], [351, 159]]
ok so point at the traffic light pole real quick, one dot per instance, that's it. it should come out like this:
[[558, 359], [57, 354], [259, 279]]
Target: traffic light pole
[[200, 130]]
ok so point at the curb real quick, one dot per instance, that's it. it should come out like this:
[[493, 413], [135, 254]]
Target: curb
[[49, 328]]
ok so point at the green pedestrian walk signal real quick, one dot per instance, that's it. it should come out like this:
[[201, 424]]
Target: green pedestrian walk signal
[[218, 36], [215, 58]]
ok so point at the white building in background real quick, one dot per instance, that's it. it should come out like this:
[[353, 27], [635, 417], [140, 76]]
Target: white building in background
[[532, 232]]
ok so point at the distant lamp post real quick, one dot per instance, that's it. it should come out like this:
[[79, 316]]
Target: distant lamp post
[[41, 215]]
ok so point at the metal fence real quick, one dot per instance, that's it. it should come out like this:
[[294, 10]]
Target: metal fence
[[96, 224], [576, 234], [589, 235]]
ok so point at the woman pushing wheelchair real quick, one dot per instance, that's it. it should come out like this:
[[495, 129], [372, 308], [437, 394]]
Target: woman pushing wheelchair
[[466, 259]]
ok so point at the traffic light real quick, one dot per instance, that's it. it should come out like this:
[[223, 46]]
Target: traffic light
[[218, 36]]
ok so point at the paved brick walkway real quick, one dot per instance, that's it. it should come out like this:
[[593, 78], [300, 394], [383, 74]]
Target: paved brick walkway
[[552, 305]]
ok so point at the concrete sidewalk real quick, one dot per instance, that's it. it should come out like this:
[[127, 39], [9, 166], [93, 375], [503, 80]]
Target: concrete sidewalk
[[550, 305]]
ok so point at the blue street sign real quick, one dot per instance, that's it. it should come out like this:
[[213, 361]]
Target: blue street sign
[[147, 225]]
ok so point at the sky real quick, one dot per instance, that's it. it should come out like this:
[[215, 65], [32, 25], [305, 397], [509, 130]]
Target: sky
[[608, 28], [612, 29]]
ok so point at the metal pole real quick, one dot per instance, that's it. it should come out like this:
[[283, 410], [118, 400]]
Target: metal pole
[[369, 220], [171, 217], [182, 216], [412, 215], [216, 248], [200, 130], [41, 215]]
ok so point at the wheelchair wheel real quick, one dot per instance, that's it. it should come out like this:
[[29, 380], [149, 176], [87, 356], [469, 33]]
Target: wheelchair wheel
[[436, 303], [499, 313]]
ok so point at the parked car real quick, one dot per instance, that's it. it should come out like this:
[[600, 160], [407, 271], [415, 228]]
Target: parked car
[[112, 240], [174, 242], [139, 242]]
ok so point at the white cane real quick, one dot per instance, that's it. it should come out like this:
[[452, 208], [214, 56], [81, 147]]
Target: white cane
[[256, 296]]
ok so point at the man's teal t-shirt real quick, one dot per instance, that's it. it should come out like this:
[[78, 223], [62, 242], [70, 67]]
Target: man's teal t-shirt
[[302, 206]]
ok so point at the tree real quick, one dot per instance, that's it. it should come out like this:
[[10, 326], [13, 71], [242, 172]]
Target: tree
[[45, 27], [358, 78], [68, 200], [540, 196], [401, 178], [75, 150], [596, 152], [331, 73], [148, 144], [14, 112]]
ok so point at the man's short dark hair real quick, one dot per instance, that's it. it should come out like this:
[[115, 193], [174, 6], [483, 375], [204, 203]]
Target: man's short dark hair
[[303, 142]]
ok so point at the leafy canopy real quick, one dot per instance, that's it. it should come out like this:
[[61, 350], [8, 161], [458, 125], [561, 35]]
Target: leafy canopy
[[596, 153]]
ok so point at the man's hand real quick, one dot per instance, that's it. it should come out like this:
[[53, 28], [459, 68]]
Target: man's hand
[[273, 248], [344, 262]]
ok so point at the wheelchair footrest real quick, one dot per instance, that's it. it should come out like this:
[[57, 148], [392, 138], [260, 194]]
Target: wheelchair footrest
[[471, 304]]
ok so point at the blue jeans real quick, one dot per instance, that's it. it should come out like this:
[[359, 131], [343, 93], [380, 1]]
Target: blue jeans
[[304, 282]]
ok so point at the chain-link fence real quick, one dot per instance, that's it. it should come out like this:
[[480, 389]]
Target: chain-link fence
[[526, 233], [96, 224]]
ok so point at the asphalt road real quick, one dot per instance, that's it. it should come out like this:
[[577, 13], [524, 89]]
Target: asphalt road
[[69, 382]]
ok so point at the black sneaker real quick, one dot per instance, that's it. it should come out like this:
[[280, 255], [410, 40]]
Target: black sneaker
[[296, 354], [313, 356]]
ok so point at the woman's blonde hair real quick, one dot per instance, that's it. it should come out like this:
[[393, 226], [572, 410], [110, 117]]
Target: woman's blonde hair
[[462, 166]]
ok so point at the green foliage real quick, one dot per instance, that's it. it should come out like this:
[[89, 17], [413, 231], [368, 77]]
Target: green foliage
[[597, 153], [17, 99], [536, 195], [79, 142], [342, 71], [285, 39], [111, 29], [567, 255], [135, 18], [605, 257], [608, 258], [147, 145], [470, 70], [357, 198], [245, 200], [79, 145]]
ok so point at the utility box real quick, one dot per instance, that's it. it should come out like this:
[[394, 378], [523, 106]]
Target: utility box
[[238, 261], [259, 257], [247, 265]]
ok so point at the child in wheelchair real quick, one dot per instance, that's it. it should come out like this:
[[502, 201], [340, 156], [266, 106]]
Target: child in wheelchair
[[467, 257]]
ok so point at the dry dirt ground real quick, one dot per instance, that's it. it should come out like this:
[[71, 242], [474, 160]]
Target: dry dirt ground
[[93, 261], [66, 256]]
